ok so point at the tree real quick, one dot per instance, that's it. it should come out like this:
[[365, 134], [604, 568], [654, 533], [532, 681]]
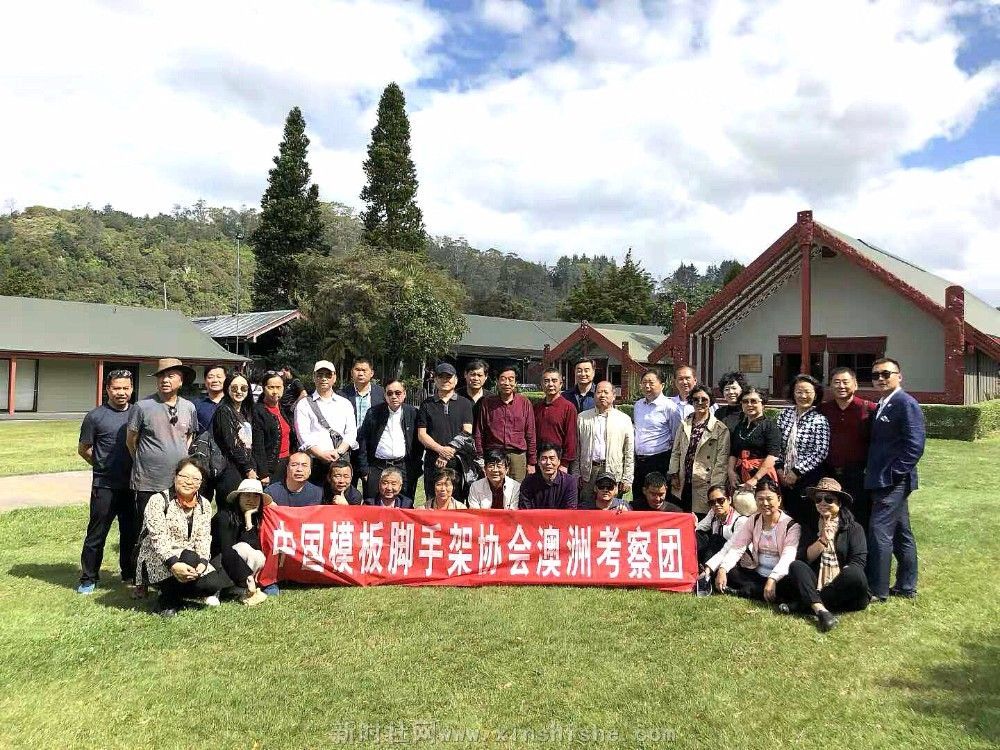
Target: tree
[[392, 219], [391, 303], [616, 295], [290, 225]]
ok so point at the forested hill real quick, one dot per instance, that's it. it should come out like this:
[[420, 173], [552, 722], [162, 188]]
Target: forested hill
[[112, 257]]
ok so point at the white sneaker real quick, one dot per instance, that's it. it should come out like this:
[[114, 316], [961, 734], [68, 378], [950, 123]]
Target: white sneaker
[[212, 601]]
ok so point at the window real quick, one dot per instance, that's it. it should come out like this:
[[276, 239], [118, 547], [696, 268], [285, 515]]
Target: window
[[860, 363], [25, 385]]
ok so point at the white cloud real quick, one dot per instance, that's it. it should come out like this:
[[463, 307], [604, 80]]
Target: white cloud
[[510, 16], [689, 130]]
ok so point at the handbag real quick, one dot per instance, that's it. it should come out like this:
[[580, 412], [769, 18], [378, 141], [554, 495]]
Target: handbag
[[335, 436]]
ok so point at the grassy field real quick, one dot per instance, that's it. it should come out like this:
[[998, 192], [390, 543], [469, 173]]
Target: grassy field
[[36, 447], [532, 666]]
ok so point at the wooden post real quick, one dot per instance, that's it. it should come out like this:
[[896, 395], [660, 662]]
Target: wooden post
[[11, 381], [805, 221], [99, 398]]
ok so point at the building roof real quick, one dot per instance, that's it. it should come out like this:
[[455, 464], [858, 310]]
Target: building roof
[[248, 325], [48, 326], [487, 335], [978, 313]]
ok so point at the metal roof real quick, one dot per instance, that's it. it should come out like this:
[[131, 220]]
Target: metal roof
[[508, 336], [978, 313], [48, 326], [248, 325]]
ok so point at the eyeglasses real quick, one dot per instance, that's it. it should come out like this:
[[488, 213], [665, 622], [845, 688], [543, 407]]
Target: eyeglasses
[[720, 501], [884, 374], [751, 401], [828, 499], [117, 374], [702, 401], [189, 478], [172, 411]]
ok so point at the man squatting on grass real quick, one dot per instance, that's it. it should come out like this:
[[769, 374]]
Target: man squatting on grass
[[573, 449]]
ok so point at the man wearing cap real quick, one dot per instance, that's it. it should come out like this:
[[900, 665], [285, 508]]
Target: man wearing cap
[[160, 430], [102, 445], [441, 418], [325, 422], [507, 422], [605, 443], [606, 494]]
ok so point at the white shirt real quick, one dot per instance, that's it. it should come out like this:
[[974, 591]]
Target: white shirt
[[882, 402], [655, 425], [392, 444], [599, 448], [338, 412]]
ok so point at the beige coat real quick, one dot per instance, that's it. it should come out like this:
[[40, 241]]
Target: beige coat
[[620, 456], [711, 459], [165, 535]]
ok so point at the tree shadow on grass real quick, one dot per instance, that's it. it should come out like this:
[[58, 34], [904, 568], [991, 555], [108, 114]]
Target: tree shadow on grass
[[112, 594], [965, 692]]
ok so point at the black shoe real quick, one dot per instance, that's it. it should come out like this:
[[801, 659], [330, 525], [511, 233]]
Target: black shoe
[[827, 621], [166, 612], [788, 608], [878, 599], [902, 593]]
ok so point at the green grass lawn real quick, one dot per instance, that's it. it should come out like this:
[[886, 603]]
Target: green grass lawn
[[535, 662], [37, 447]]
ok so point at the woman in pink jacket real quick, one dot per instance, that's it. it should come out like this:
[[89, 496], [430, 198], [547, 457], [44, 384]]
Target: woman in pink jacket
[[760, 553]]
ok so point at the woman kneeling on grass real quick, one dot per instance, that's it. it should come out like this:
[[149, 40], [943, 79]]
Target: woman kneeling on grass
[[236, 537], [764, 547], [830, 571], [175, 543]]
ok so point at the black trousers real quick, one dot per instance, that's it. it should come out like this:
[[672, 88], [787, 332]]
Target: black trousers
[[795, 503], [106, 505], [708, 545], [848, 592], [173, 592], [746, 583], [370, 488], [645, 465], [852, 481]]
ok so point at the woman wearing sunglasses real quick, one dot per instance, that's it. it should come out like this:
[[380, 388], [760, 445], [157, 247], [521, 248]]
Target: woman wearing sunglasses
[[758, 556], [232, 427], [700, 454], [754, 447], [721, 524], [829, 575]]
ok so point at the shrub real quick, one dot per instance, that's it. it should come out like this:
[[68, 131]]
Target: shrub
[[962, 422]]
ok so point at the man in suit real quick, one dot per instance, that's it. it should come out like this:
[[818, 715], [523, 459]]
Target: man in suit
[[363, 395], [897, 442], [605, 443], [388, 438]]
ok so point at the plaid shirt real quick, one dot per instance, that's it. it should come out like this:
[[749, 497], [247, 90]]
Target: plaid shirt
[[812, 441]]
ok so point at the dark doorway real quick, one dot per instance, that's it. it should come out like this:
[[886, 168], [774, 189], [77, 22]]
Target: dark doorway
[[791, 365]]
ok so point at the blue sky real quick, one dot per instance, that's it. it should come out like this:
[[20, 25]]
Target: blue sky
[[688, 130]]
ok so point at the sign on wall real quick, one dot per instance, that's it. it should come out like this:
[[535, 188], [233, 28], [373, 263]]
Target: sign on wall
[[751, 363]]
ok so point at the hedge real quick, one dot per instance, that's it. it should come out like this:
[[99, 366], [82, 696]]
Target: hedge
[[947, 422]]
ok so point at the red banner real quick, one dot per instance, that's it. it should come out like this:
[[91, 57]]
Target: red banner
[[370, 546]]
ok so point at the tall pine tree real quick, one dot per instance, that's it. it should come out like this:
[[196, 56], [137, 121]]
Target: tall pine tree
[[290, 223], [392, 219]]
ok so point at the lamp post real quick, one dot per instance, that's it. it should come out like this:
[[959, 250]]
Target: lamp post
[[239, 237]]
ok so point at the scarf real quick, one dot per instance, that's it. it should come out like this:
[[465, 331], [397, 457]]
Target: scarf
[[829, 565]]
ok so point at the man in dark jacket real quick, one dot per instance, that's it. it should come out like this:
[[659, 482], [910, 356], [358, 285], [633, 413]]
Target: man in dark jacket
[[897, 443], [363, 395], [389, 493], [388, 437]]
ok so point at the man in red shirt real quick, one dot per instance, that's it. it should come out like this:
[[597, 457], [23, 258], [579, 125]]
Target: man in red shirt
[[507, 422], [850, 429], [555, 417]]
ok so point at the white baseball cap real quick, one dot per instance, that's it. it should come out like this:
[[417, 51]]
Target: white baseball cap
[[324, 364]]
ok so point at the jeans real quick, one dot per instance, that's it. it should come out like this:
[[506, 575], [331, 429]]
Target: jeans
[[106, 505], [889, 534]]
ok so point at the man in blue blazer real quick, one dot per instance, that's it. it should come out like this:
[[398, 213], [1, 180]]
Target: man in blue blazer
[[897, 442]]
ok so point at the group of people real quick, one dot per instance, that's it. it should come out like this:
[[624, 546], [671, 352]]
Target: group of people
[[805, 510]]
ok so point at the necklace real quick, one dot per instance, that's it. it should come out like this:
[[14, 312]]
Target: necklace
[[741, 429]]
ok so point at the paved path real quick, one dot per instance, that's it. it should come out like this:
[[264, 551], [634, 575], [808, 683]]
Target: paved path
[[37, 490]]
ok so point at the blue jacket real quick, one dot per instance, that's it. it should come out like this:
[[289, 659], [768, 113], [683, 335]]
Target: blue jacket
[[897, 443], [401, 501]]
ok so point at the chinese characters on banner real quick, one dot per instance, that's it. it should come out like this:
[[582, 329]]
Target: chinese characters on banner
[[369, 546]]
